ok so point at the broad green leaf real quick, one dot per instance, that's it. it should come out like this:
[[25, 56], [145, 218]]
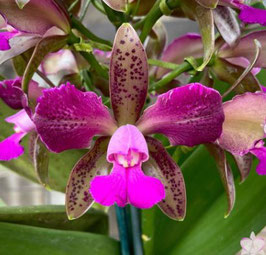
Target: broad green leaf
[[60, 164], [204, 230], [18, 239], [54, 216]]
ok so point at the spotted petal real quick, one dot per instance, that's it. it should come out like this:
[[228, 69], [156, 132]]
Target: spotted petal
[[78, 197], [187, 115], [244, 123], [67, 118], [163, 167], [128, 75]]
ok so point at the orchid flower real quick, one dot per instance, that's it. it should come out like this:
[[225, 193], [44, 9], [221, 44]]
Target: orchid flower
[[229, 63], [244, 127], [13, 96], [131, 167], [44, 19]]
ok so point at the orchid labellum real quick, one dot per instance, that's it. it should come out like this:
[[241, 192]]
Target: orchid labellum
[[131, 167]]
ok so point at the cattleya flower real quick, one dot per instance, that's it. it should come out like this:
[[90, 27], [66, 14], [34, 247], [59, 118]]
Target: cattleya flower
[[12, 94], [45, 19], [131, 167]]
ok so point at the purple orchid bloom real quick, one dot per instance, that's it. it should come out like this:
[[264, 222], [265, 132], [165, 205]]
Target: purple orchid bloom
[[131, 167], [244, 127], [12, 94], [44, 19]]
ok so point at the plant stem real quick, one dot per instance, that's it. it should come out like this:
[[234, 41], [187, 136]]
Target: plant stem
[[136, 230], [94, 64], [167, 65], [82, 29], [184, 67], [83, 14], [151, 18], [123, 229], [154, 14]]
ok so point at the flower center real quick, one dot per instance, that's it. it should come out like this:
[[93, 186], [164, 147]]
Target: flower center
[[129, 160]]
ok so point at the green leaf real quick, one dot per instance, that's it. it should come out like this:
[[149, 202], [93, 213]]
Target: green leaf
[[60, 165], [19, 239], [204, 230], [54, 216]]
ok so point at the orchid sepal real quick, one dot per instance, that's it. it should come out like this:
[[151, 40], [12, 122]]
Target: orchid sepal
[[128, 75]]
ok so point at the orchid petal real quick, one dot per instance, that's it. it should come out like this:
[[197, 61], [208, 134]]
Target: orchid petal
[[124, 186], [67, 118], [244, 164], [227, 24], [10, 147], [225, 173], [12, 94], [143, 191], [128, 75], [252, 15], [163, 167], [110, 189], [3, 22], [187, 115], [78, 197], [36, 17], [102, 56], [205, 20], [244, 123], [246, 48], [19, 44], [185, 46], [41, 161], [62, 60], [127, 138], [260, 153], [118, 5], [22, 122], [4, 39]]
